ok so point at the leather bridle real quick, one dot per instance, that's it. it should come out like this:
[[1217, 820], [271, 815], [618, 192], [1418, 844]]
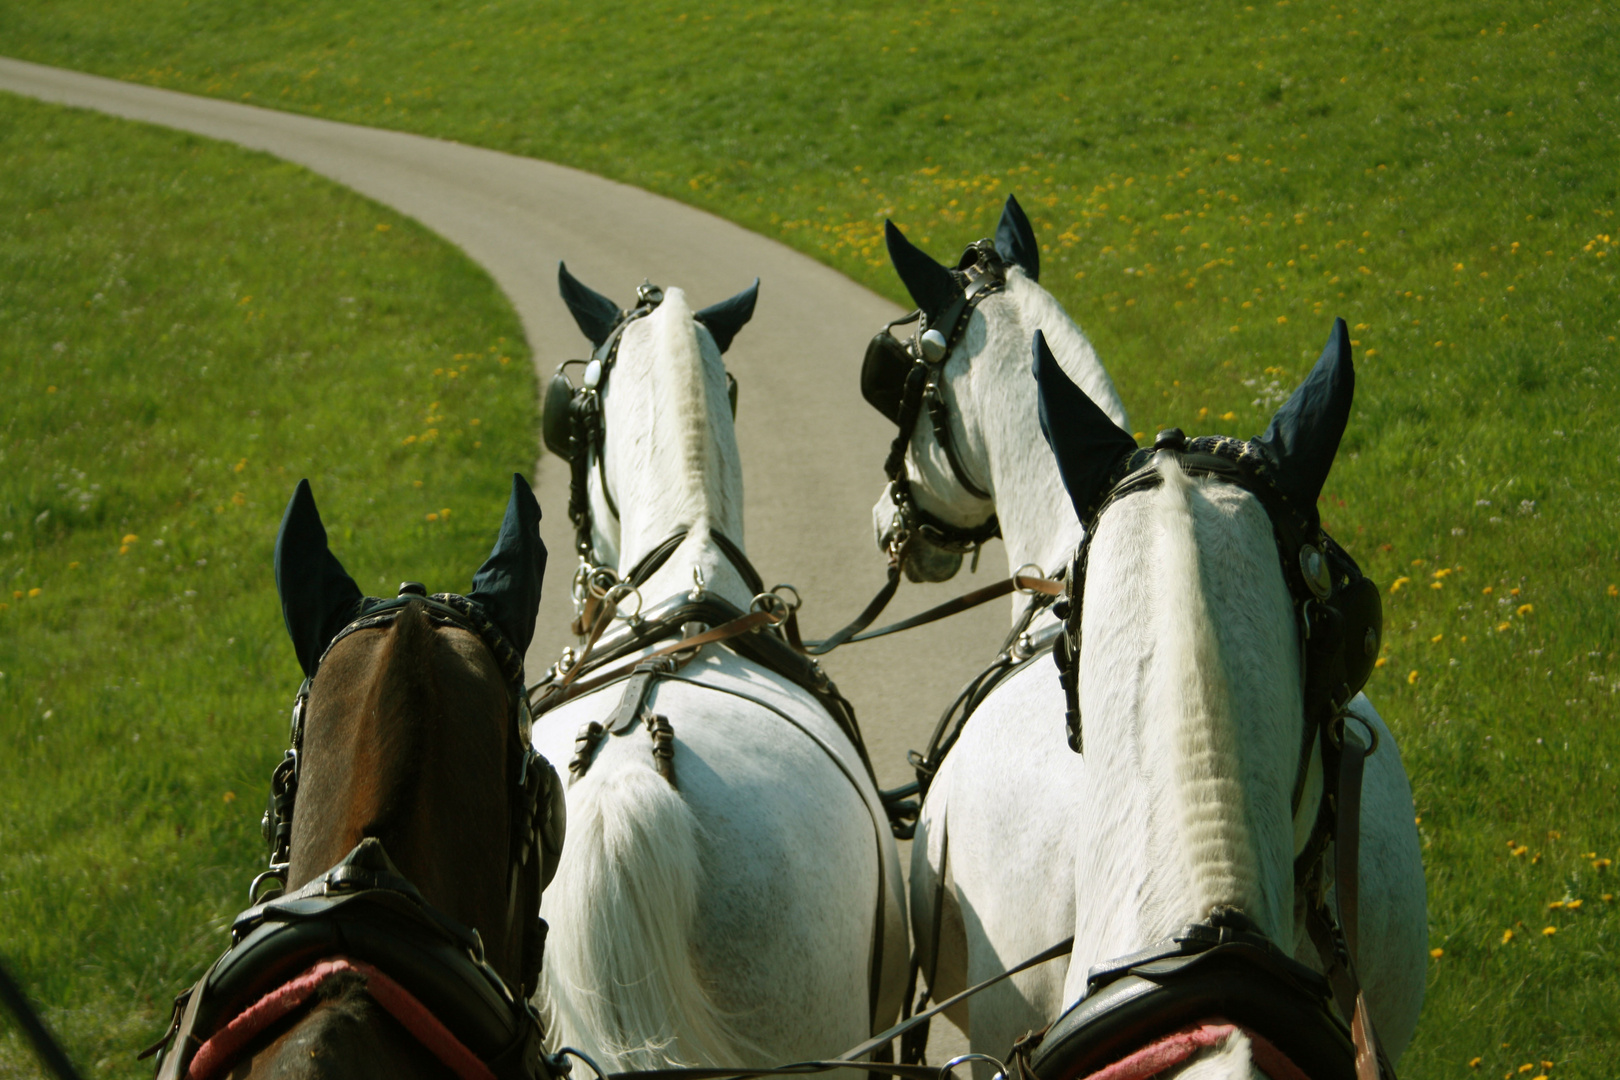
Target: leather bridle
[[364, 907], [573, 427], [1339, 615], [900, 380]]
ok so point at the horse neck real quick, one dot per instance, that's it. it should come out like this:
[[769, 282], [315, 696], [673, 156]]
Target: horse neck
[[671, 455], [406, 740], [1038, 523], [1191, 702]]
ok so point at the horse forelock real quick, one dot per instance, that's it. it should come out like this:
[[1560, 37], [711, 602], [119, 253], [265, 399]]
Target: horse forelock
[[1212, 729]]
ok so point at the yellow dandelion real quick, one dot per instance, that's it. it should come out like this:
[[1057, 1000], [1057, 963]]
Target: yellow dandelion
[[433, 517], [1555, 905], [1507, 936], [444, 513], [239, 499], [1437, 584], [1473, 1063], [1411, 677], [1487, 590], [1502, 626], [1525, 609], [407, 440], [1547, 931], [1419, 562], [1435, 954], [1281, 319], [1395, 586], [1513, 591], [1229, 416], [50, 389], [474, 422], [416, 483], [230, 796], [17, 594], [73, 565], [1614, 590], [1573, 905], [129, 539], [240, 465], [505, 360], [1444, 571], [5, 607], [1608, 898], [34, 592], [1527, 1066], [1436, 639], [1601, 865], [123, 549], [382, 227]]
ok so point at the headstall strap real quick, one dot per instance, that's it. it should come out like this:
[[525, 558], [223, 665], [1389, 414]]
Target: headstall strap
[[982, 272], [1338, 613]]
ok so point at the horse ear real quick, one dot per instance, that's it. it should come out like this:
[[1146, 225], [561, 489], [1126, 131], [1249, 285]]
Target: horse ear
[[729, 316], [1015, 240], [932, 287], [317, 597], [594, 313], [1086, 443], [507, 586], [1304, 435]]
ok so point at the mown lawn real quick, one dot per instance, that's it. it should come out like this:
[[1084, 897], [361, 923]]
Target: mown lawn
[[185, 330], [1211, 185]]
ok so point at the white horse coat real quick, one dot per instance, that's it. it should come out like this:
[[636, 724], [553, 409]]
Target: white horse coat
[[729, 919], [1042, 842]]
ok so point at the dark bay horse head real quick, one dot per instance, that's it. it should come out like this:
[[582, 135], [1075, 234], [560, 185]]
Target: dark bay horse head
[[413, 772]]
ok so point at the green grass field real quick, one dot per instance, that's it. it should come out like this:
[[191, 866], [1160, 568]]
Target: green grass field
[[1211, 187], [185, 330]]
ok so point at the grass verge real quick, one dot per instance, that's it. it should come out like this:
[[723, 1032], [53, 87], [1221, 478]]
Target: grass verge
[[185, 330], [1211, 184]]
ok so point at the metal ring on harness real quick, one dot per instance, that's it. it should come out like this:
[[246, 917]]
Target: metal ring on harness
[[1035, 572], [776, 607], [948, 1069], [617, 595]]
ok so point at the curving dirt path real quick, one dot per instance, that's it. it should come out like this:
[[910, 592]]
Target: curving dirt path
[[812, 449]]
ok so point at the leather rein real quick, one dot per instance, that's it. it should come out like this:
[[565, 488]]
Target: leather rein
[[363, 907]]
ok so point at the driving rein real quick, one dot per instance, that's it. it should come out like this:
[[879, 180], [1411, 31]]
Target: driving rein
[[363, 916]]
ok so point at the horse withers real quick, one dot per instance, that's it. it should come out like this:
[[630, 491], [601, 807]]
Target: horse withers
[[1010, 808], [401, 937]]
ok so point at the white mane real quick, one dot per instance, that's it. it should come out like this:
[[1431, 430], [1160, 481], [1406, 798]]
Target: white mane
[[671, 458]]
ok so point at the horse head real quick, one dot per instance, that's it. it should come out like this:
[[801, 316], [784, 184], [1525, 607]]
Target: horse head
[[971, 466], [659, 455], [418, 796], [1187, 639]]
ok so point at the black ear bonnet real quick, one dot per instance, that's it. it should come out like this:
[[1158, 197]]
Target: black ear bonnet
[[320, 601], [1340, 609], [603, 324]]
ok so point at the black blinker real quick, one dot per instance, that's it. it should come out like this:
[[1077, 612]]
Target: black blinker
[[731, 393], [883, 374], [556, 420]]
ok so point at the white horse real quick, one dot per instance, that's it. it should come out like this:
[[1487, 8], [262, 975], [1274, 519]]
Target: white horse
[[1035, 841], [749, 911]]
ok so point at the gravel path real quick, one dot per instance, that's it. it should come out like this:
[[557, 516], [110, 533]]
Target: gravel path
[[812, 449]]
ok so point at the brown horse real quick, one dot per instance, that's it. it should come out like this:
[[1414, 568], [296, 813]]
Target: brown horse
[[406, 942]]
